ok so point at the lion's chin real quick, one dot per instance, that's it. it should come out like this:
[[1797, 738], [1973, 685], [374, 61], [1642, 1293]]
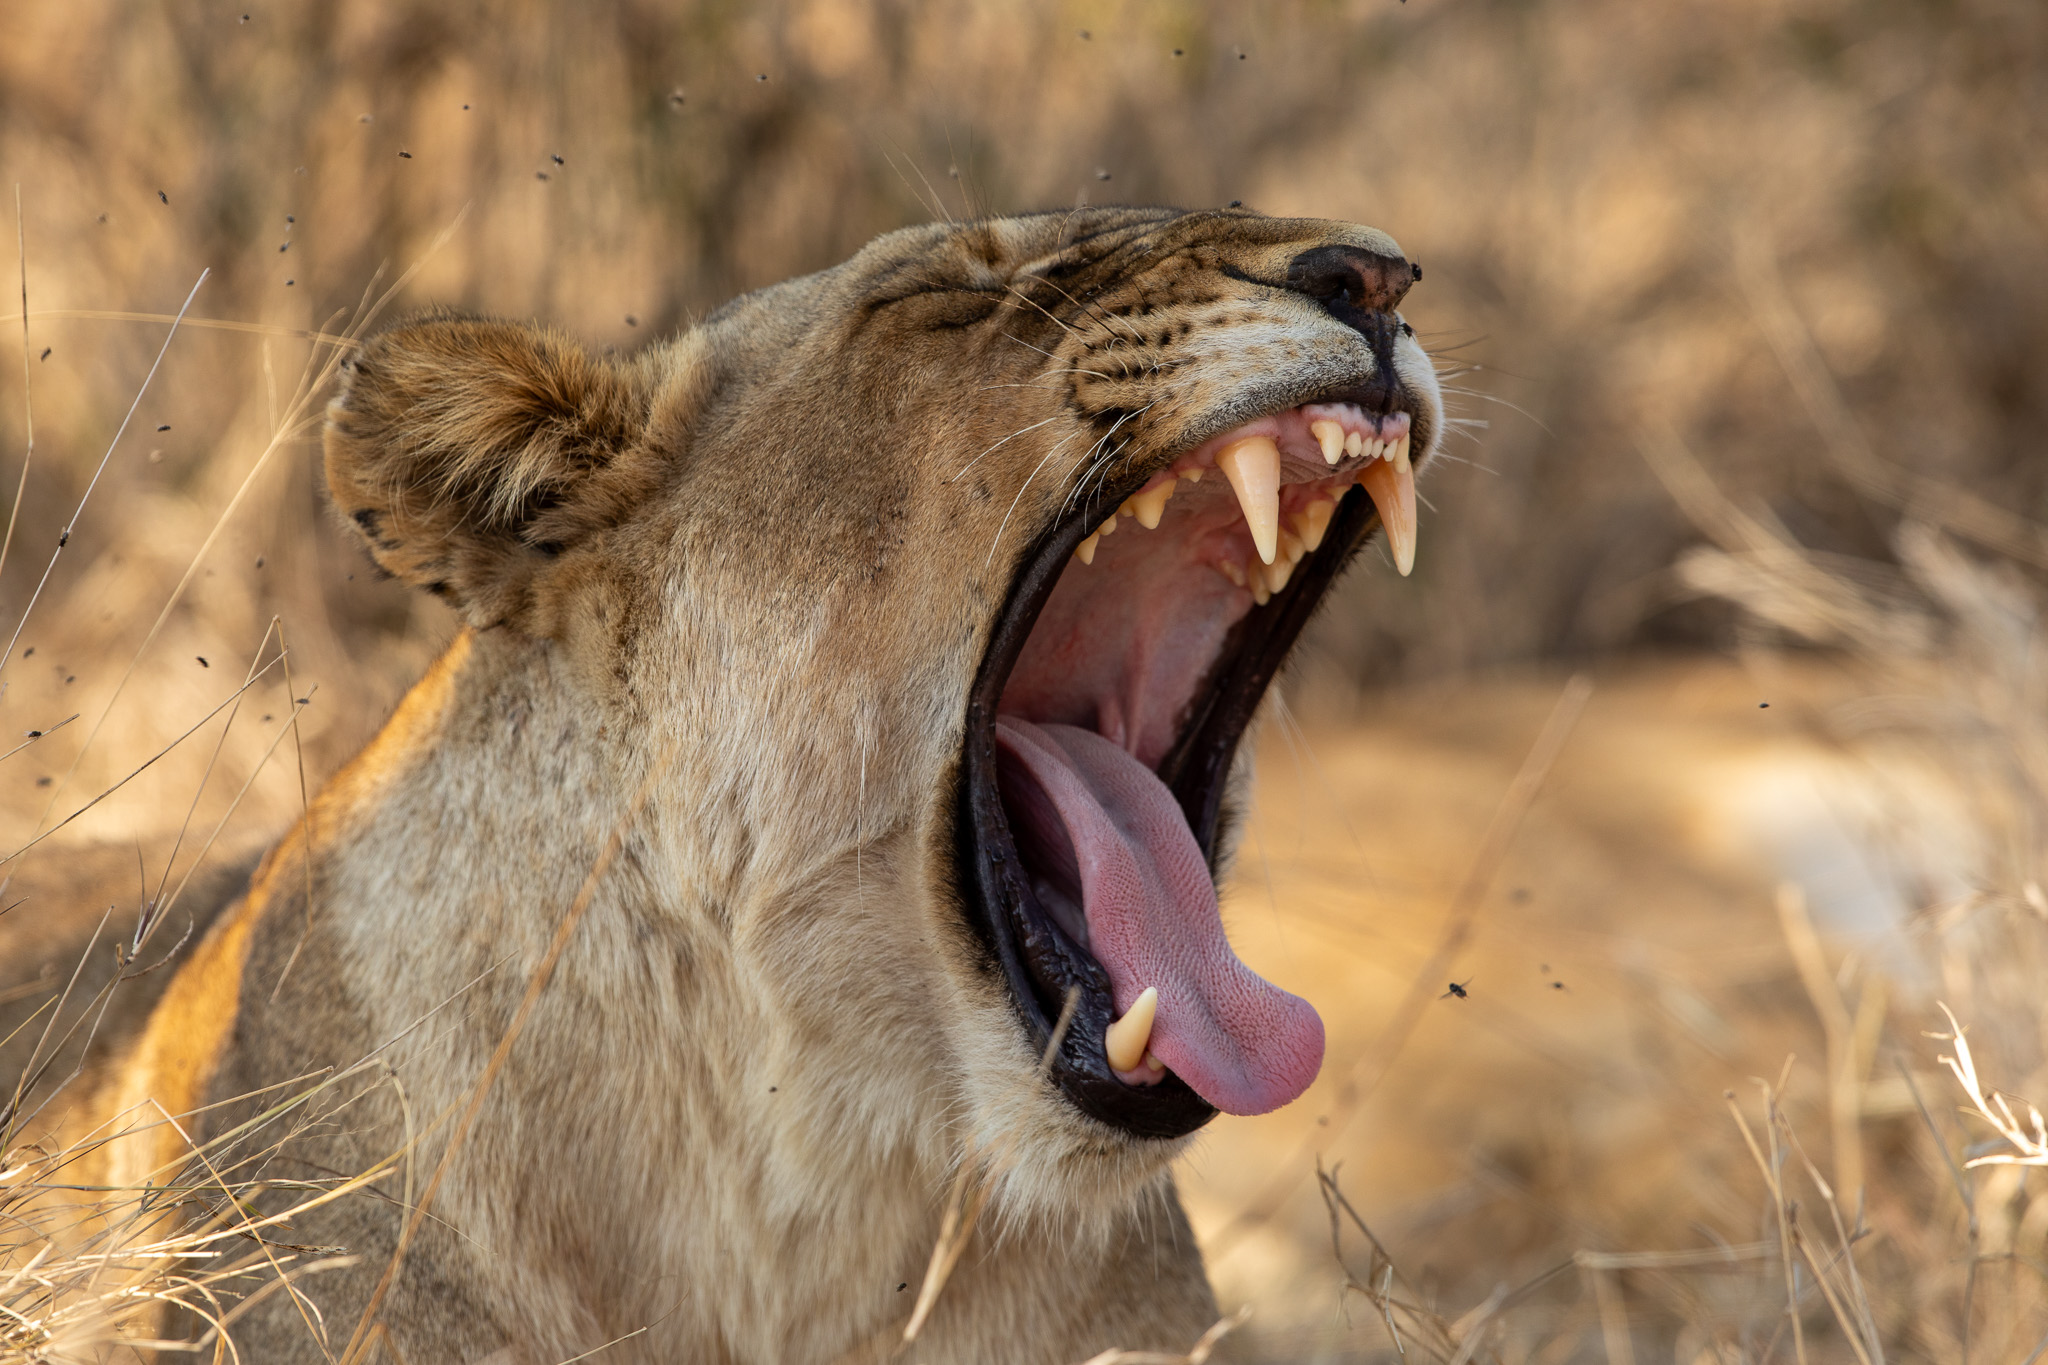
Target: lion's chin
[[1131, 655]]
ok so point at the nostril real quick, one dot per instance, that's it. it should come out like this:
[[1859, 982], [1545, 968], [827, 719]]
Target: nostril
[[1348, 279]]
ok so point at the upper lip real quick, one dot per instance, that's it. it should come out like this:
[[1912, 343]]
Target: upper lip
[[1047, 972]]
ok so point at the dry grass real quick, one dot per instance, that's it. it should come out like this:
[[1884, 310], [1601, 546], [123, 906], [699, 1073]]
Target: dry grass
[[1755, 299]]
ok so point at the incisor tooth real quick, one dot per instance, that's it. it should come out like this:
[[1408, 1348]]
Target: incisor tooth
[[1253, 468], [1125, 1039], [1231, 570], [1354, 444], [1255, 579], [1391, 485], [1330, 436], [1193, 475], [1085, 551], [1107, 527], [1277, 574], [1150, 505]]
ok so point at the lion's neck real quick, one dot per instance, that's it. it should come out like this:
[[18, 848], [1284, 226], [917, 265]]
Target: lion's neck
[[727, 1083]]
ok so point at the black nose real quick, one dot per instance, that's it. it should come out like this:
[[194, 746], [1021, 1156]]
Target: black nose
[[1361, 289], [1352, 279]]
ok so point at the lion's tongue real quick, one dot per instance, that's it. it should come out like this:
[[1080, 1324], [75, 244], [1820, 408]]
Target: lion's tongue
[[1242, 1043]]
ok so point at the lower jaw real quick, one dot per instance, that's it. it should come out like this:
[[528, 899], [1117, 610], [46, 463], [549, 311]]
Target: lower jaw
[[1061, 993]]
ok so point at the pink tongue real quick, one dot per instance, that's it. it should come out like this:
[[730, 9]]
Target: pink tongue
[[1242, 1043]]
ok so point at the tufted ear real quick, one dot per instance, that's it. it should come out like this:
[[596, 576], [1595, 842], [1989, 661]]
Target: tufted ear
[[471, 454]]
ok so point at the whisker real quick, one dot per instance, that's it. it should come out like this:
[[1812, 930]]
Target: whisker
[[1019, 498], [1011, 437], [1108, 379]]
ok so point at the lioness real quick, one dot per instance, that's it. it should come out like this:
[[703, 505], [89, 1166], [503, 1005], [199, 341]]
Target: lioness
[[862, 673]]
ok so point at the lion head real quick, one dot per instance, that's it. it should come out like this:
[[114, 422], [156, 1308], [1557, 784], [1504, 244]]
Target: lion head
[[933, 593]]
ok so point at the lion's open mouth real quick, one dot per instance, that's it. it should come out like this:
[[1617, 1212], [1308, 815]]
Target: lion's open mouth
[[1130, 656]]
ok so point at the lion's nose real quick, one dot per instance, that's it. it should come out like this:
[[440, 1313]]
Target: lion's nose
[[1352, 278], [1361, 289]]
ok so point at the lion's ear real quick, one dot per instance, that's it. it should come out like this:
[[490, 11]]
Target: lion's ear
[[470, 454]]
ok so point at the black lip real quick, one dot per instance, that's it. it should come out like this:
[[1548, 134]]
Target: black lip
[[1039, 962]]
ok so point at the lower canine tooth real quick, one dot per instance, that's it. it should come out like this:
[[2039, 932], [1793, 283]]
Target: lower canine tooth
[[1253, 468], [1150, 505], [1125, 1040], [1391, 485], [1330, 436], [1313, 521], [1085, 551]]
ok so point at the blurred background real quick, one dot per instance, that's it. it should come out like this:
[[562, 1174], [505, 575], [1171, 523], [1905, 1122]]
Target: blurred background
[[1746, 303]]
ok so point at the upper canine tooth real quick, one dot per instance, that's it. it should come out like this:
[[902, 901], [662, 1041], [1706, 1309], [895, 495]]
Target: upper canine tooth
[[1391, 485], [1126, 1039], [1354, 444], [1085, 551], [1330, 436], [1150, 505], [1253, 468]]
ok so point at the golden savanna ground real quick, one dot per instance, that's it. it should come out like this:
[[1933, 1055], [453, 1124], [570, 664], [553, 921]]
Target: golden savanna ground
[[1746, 306]]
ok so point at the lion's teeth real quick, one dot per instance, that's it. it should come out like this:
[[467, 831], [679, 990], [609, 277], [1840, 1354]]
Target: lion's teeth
[[1125, 1039], [1330, 436], [1193, 475], [1354, 444], [1292, 547], [1231, 570], [1253, 468], [1375, 447], [1085, 551], [1107, 527], [1391, 485], [1313, 521], [1150, 505], [1277, 574]]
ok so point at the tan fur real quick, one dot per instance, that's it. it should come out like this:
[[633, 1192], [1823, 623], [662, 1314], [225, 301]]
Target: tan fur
[[751, 572]]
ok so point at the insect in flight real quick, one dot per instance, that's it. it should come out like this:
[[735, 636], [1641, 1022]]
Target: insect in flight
[[1457, 989]]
